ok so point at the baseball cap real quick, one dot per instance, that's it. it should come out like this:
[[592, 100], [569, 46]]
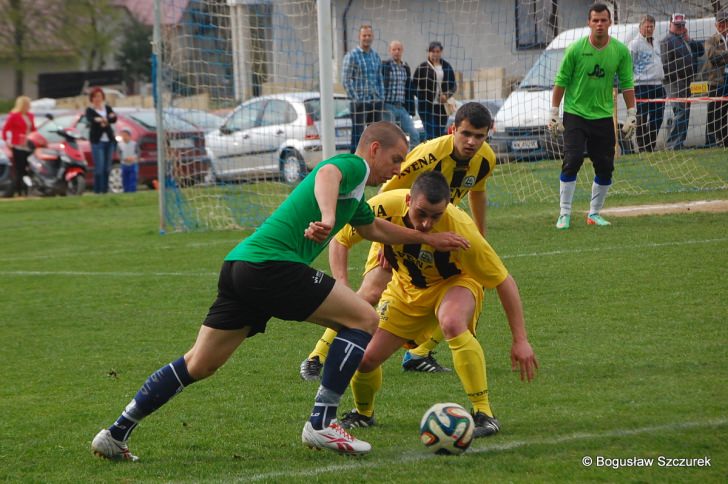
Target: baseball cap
[[678, 18], [722, 16]]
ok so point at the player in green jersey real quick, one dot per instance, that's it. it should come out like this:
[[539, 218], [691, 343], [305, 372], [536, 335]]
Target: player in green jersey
[[586, 76], [269, 275]]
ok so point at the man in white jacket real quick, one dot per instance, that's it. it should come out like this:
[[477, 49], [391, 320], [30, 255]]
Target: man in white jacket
[[648, 75]]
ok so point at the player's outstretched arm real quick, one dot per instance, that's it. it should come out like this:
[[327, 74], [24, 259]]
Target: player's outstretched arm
[[522, 355], [388, 233]]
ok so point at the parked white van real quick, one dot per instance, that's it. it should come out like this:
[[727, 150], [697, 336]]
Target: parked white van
[[520, 125]]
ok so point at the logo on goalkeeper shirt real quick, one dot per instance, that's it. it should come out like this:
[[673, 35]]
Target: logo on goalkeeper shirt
[[598, 72]]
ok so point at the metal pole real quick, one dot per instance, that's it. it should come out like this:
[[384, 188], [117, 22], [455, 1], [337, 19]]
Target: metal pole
[[326, 81], [161, 138]]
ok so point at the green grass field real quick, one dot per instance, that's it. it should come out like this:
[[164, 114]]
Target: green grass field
[[628, 322]]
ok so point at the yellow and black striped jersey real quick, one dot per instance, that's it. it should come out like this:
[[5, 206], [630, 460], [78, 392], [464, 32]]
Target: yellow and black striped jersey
[[419, 266], [436, 155]]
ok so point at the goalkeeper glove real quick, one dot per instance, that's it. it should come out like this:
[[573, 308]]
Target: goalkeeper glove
[[630, 123], [556, 127]]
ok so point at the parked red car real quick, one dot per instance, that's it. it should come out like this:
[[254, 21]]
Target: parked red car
[[185, 145]]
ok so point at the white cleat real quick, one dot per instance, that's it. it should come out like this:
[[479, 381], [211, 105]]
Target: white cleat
[[335, 438], [107, 447]]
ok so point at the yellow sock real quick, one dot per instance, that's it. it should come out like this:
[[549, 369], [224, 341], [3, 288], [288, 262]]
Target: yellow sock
[[364, 387], [469, 361], [425, 348], [324, 343]]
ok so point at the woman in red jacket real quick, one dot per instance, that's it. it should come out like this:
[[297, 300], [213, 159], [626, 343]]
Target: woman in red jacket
[[19, 124]]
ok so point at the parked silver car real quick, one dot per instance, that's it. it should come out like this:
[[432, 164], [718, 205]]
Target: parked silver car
[[275, 136]]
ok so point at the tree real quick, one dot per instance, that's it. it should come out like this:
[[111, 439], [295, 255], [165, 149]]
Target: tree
[[91, 28], [20, 21], [134, 55]]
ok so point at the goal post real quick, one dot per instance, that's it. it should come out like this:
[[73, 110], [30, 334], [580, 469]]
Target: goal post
[[274, 72]]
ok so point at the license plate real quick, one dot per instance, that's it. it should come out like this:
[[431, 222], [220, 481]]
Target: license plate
[[343, 133], [181, 143], [524, 144]]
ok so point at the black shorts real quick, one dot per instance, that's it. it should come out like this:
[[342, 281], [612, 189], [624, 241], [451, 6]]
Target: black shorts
[[249, 294]]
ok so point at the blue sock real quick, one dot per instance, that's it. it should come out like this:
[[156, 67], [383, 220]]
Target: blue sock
[[156, 391], [342, 361]]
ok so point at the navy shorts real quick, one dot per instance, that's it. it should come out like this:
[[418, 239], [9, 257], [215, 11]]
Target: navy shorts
[[249, 294]]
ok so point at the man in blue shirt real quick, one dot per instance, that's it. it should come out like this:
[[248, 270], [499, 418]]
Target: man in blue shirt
[[362, 78]]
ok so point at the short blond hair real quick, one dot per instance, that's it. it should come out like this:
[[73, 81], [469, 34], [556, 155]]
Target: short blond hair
[[386, 133]]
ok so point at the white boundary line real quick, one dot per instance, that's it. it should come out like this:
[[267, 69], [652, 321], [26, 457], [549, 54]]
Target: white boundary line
[[205, 274], [619, 247], [107, 274], [504, 447]]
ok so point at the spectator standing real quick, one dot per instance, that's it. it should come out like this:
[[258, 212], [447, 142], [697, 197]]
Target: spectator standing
[[586, 76], [648, 75], [19, 124], [716, 67], [129, 156], [100, 117], [399, 98], [362, 79], [679, 55], [434, 82]]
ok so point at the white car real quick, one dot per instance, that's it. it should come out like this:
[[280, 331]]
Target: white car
[[275, 136]]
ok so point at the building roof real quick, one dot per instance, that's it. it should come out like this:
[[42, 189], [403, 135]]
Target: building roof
[[143, 10]]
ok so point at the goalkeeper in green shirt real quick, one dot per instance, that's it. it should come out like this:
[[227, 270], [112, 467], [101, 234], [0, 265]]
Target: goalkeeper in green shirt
[[586, 76]]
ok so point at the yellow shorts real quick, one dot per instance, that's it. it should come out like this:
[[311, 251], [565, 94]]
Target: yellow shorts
[[416, 319]]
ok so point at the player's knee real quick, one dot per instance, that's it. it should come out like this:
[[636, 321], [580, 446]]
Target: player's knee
[[452, 326], [367, 364], [366, 320], [371, 321]]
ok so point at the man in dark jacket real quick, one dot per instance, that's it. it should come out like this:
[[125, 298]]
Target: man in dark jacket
[[679, 55], [716, 68], [399, 100]]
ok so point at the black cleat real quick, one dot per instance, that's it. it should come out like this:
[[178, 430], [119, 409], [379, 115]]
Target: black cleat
[[485, 425], [311, 369], [355, 419], [428, 364]]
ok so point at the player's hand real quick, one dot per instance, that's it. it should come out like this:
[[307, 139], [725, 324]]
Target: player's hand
[[556, 127], [317, 231], [630, 123], [524, 360], [382, 261], [446, 241]]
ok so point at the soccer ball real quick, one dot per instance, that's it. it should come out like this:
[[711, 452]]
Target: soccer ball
[[447, 428]]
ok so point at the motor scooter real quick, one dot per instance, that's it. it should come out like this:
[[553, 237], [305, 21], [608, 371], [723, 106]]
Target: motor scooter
[[55, 168]]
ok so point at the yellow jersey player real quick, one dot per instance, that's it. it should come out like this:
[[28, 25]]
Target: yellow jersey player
[[431, 289], [466, 161]]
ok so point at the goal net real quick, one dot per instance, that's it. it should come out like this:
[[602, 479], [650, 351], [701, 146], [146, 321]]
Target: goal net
[[244, 74]]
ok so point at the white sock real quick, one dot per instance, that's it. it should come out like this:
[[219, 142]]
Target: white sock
[[566, 194], [599, 194]]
